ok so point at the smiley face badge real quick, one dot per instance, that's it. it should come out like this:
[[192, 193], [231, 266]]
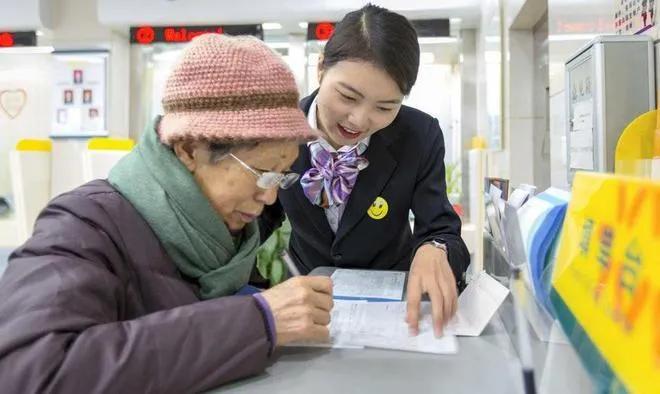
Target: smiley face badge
[[378, 209]]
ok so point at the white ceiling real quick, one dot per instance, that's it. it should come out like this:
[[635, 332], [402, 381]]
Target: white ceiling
[[122, 13], [26, 14]]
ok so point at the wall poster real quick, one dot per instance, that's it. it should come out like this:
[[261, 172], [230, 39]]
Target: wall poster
[[80, 94], [634, 16]]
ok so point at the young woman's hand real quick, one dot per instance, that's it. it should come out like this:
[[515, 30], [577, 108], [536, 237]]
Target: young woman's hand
[[301, 309], [430, 273]]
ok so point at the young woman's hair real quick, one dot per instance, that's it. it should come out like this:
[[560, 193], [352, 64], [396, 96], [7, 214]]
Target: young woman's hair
[[378, 36]]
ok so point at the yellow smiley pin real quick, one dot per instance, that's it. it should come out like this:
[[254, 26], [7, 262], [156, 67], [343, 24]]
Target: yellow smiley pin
[[378, 209]]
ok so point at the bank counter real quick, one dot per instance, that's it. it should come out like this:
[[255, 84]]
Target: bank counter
[[486, 364]]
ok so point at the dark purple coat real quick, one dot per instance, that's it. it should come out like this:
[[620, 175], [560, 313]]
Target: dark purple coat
[[92, 303]]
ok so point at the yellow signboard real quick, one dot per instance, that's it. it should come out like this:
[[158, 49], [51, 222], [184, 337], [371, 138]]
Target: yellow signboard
[[606, 283]]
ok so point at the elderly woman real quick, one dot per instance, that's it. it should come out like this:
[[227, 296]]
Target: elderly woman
[[128, 284]]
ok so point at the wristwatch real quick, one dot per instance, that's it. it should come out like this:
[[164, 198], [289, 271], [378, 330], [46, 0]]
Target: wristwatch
[[460, 284], [437, 244]]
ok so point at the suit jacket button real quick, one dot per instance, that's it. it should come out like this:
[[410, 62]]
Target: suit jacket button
[[337, 257]]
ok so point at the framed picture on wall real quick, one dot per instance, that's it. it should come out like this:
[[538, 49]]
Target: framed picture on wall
[[82, 79], [500, 183], [77, 77], [87, 96], [68, 97]]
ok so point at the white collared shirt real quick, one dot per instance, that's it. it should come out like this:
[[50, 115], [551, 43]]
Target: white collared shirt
[[333, 213]]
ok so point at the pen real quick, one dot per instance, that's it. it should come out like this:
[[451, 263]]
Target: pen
[[293, 270]]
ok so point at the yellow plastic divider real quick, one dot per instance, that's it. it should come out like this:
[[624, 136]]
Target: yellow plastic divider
[[635, 147], [606, 280], [110, 144], [656, 144], [34, 145]]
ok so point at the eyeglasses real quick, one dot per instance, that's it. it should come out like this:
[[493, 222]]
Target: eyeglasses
[[269, 179]]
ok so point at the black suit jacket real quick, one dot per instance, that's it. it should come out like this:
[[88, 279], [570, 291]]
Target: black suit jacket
[[406, 169]]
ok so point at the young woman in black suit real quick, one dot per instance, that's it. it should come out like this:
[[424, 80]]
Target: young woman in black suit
[[375, 161]]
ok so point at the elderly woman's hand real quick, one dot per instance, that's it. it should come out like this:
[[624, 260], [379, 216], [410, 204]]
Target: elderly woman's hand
[[301, 307]]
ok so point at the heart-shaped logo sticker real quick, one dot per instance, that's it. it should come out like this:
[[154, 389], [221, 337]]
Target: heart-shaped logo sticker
[[12, 102]]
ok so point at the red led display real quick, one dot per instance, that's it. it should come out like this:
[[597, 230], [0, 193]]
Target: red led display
[[146, 35], [9, 39], [324, 30], [6, 40]]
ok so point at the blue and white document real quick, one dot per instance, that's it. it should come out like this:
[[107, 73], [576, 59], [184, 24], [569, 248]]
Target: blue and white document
[[368, 285]]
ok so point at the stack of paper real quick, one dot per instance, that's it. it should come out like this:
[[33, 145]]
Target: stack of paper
[[358, 324], [540, 220], [381, 325]]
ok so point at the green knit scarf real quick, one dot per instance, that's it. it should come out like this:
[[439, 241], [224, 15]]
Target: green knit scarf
[[167, 196]]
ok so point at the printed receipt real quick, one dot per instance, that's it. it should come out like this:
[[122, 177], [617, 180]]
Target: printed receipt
[[367, 284]]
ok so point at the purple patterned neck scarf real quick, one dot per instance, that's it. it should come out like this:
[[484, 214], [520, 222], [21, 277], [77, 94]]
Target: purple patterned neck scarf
[[334, 173]]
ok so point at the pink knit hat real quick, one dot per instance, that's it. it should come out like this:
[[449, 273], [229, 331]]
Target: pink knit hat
[[229, 89]]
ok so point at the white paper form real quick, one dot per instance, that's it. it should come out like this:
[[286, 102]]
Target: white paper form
[[383, 326], [356, 325], [582, 143], [368, 285], [476, 306]]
